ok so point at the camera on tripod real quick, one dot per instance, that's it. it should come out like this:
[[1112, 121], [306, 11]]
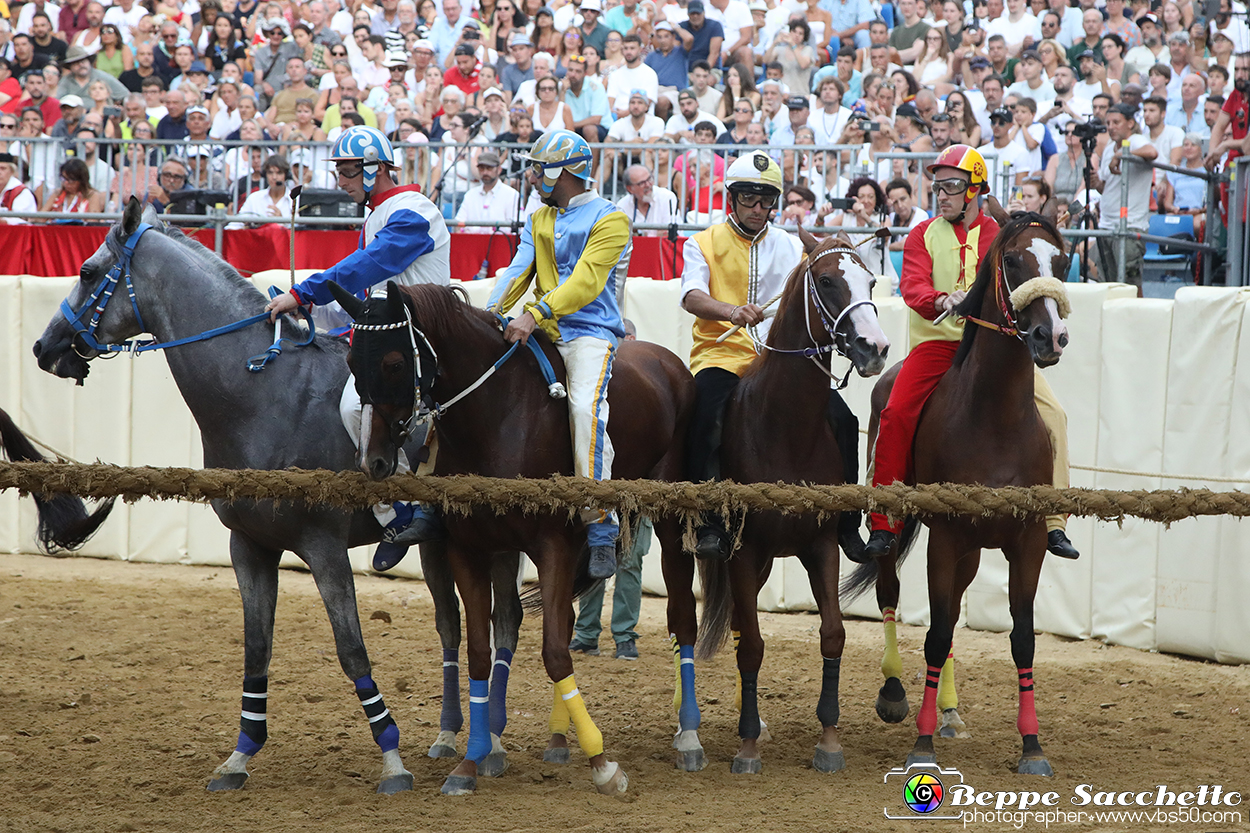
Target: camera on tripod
[[1088, 131]]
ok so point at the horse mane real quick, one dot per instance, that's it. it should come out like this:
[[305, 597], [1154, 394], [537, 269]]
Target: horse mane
[[218, 268], [443, 307], [971, 304]]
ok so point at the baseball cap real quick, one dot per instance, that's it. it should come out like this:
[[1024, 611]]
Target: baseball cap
[[686, 94], [1030, 55], [591, 6], [758, 6], [1088, 53], [695, 6], [519, 39], [488, 158], [978, 63], [300, 156], [1147, 18], [1001, 114], [195, 151], [909, 111], [197, 66], [71, 101], [493, 92], [1126, 110], [798, 102], [203, 111], [639, 93], [664, 26], [462, 49], [423, 43]]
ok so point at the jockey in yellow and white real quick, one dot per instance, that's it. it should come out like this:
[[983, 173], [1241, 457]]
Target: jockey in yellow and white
[[576, 249]]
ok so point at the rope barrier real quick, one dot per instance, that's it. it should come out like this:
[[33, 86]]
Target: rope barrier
[[463, 493]]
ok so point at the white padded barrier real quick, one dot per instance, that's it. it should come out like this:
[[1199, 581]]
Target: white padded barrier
[[1149, 385]]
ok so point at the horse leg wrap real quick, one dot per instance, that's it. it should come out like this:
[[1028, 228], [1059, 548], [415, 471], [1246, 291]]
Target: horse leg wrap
[[1026, 722], [749, 718], [499, 690], [737, 638], [688, 716], [254, 723], [451, 719], [589, 738], [926, 718], [946, 696], [479, 721], [827, 707], [559, 721], [891, 660], [385, 732], [672, 638]]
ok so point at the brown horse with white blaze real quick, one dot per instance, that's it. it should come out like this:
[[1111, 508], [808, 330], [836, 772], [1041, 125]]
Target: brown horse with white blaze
[[981, 426], [777, 428], [510, 427]]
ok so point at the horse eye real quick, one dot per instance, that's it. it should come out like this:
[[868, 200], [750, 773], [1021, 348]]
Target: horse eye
[[826, 283]]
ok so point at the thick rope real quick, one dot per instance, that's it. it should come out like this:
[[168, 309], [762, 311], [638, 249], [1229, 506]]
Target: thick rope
[[462, 494]]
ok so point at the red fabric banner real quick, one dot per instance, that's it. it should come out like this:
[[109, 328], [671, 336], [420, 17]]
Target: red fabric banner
[[59, 250]]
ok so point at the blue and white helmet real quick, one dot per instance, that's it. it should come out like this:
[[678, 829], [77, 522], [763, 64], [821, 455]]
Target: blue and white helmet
[[367, 144], [557, 151]]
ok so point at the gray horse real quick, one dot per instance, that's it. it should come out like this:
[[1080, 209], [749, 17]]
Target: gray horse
[[284, 417]]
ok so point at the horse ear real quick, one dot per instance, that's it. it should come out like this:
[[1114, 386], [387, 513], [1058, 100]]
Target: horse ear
[[394, 300], [996, 210], [845, 239], [352, 305], [132, 216], [1051, 210], [809, 241]]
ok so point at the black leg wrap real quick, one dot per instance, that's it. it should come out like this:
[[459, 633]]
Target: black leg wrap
[[255, 702], [827, 711], [385, 731], [845, 427], [749, 718]]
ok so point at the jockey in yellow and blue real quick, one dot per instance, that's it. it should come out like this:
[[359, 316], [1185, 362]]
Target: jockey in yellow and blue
[[576, 248]]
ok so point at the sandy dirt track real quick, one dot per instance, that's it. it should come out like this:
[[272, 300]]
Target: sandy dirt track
[[120, 686]]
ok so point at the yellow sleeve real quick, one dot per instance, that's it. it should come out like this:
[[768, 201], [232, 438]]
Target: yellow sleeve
[[607, 241], [516, 278]]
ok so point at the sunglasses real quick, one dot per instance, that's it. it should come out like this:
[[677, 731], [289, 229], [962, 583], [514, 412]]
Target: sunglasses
[[954, 187], [795, 201]]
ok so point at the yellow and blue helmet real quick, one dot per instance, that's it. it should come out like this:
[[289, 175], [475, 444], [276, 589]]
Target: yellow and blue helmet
[[557, 151], [366, 144]]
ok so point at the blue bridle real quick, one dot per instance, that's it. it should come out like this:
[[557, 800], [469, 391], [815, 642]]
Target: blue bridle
[[121, 271]]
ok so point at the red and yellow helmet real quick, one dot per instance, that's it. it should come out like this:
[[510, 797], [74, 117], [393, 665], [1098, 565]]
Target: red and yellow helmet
[[967, 159]]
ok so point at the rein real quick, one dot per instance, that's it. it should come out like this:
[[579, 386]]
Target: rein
[[1011, 327], [838, 343], [104, 293]]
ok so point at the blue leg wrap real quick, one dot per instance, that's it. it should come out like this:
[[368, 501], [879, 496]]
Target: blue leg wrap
[[499, 691], [451, 719], [253, 725], [603, 533], [385, 732], [479, 721], [749, 718], [403, 514], [827, 708], [688, 716]]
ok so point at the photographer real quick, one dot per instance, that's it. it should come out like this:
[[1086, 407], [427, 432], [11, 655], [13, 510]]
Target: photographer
[[1122, 127]]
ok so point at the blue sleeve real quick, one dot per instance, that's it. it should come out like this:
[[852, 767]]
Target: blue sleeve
[[516, 277], [404, 238]]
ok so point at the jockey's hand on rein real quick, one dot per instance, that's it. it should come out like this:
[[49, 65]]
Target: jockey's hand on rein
[[949, 302], [281, 305], [746, 315], [519, 328]]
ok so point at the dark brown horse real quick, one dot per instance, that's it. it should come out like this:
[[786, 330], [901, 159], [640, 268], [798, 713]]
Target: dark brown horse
[[981, 425], [511, 427], [777, 428]]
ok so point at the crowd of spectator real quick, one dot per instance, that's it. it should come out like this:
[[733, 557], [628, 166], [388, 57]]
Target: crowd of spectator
[[249, 93]]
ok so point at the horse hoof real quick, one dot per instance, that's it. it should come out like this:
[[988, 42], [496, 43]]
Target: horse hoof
[[892, 702], [828, 761], [460, 785], [1035, 766], [747, 766], [953, 725], [916, 758], [395, 784], [229, 781], [616, 784], [493, 765], [444, 745], [556, 755], [691, 761]]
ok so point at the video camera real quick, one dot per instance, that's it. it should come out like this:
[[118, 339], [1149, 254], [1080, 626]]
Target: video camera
[[1088, 131]]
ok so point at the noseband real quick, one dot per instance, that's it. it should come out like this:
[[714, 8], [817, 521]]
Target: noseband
[[1011, 304]]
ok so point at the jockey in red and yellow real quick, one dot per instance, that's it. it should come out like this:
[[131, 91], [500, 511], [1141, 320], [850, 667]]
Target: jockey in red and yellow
[[940, 260]]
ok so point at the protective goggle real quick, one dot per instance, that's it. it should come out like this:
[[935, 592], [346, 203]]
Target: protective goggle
[[756, 201], [954, 187]]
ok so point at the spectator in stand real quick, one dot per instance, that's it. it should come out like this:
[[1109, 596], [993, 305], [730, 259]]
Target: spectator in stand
[[144, 68], [521, 69], [75, 196], [638, 127], [743, 115], [784, 135], [680, 128], [1211, 109], [174, 123], [707, 36], [1118, 24], [37, 152], [35, 94], [1028, 134], [465, 73], [702, 172], [798, 208], [739, 82], [1065, 171], [138, 173], [271, 59], [1122, 126], [1002, 122], [906, 214], [496, 111], [1033, 195], [80, 73], [1179, 194], [275, 199], [113, 56], [772, 99], [71, 115], [223, 47], [14, 196], [1187, 111], [25, 59], [89, 37], [586, 100], [647, 203], [52, 49], [907, 37], [282, 107], [1165, 137], [670, 62], [491, 200], [790, 49]]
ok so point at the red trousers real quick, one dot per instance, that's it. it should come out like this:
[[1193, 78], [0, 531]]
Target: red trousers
[[923, 368]]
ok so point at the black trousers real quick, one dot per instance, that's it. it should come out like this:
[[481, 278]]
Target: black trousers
[[714, 386]]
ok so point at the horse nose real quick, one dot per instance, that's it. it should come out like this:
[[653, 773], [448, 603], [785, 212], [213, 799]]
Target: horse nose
[[870, 345], [378, 468], [38, 348]]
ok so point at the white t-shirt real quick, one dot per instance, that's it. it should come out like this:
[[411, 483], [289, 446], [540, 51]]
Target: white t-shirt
[[1083, 107], [1013, 33], [677, 123], [123, 20], [1032, 158], [1013, 154], [623, 130], [662, 210], [1171, 138], [1139, 180], [371, 75], [499, 206], [736, 16], [259, 203], [1045, 92], [624, 79], [828, 128]]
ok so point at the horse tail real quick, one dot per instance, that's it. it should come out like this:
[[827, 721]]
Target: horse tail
[[64, 523], [717, 608], [532, 597], [864, 576]]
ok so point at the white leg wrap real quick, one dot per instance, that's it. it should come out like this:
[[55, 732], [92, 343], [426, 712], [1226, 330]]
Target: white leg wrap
[[611, 780], [446, 738], [392, 764], [687, 741]]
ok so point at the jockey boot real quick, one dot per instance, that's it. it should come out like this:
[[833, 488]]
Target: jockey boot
[[849, 537], [880, 543], [413, 524], [602, 561], [1057, 543]]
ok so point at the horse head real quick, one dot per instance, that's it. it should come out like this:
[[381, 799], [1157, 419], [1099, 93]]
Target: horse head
[[1026, 265], [384, 360], [841, 289], [86, 321]]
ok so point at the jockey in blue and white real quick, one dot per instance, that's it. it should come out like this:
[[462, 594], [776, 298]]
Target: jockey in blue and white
[[405, 240], [575, 249]]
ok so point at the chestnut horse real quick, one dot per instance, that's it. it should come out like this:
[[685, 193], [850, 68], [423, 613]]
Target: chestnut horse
[[980, 425], [511, 427], [777, 428]]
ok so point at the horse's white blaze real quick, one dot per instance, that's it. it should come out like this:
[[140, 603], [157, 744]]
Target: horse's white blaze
[[859, 279], [1058, 327], [1045, 252], [366, 434]]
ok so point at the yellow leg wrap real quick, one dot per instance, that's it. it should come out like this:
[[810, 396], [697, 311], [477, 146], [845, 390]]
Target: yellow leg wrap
[[946, 696], [737, 637], [676, 673], [559, 722], [1056, 422], [589, 738], [891, 661]]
